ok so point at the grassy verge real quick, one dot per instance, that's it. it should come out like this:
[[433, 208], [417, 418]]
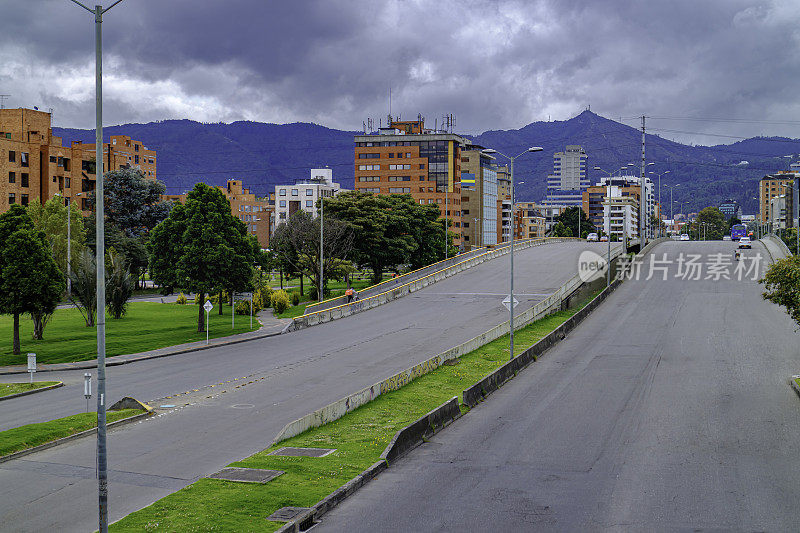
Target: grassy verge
[[24, 437], [146, 326], [337, 288], [7, 389], [359, 438]]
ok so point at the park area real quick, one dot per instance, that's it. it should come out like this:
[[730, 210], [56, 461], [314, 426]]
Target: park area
[[146, 326]]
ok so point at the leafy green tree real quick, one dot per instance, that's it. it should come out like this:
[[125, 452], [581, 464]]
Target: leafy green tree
[[782, 284], [84, 287], [202, 247], [710, 224], [119, 287], [569, 218], [732, 222], [30, 281], [51, 218], [561, 230]]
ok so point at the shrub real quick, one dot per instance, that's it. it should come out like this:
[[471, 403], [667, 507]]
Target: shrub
[[197, 299], [263, 296], [280, 301], [243, 307], [312, 293], [295, 298], [182, 300]]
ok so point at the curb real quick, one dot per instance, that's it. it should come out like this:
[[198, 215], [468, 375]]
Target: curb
[[34, 391], [63, 440], [132, 358], [419, 430]]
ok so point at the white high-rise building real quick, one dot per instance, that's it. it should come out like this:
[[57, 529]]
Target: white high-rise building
[[566, 184], [303, 195]]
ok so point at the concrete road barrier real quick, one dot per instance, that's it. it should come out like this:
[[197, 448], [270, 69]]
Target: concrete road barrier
[[413, 434]]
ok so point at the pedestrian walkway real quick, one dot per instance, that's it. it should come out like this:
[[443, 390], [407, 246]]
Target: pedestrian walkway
[[270, 326]]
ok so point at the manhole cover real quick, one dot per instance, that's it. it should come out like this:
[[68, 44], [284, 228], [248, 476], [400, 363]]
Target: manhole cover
[[246, 475], [303, 452], [285, 514]]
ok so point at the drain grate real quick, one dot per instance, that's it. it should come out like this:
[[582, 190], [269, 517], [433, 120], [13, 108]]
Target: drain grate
[[246, 475], [303, 452], [285, 514]]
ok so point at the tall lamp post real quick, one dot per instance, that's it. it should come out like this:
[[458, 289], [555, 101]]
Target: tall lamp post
[[69, 239], [671, 204], [102, 458], [659, 174], [511, 295], [321, 220]]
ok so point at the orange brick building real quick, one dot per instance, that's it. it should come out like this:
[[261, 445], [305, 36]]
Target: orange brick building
[[256, 213], [406, 158], [35, 165]]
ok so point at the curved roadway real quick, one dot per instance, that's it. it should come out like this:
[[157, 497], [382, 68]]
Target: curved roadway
[[667, 409], [231, 401]]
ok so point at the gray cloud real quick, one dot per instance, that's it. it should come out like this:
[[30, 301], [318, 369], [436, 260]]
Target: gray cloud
[[496, 64]]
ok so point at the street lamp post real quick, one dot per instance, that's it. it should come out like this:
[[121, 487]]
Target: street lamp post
[[511, 295], [659, 174], [321, 220], [102, 457], [608, 219]]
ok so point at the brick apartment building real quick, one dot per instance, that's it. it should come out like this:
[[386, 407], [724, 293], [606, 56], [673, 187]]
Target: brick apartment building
[[407, 158], [772, 186], [256, 213], [34, 165]]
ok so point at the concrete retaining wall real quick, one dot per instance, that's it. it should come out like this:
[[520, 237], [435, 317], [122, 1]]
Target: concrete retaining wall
[[412, 435], [775, 246], [364, 304], [339, 408]]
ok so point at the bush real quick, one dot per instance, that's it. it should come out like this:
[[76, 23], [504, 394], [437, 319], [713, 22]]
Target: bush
[[197, 299], [280, 301], [295, 298], [263, 296], [243, 307], [182, 300], [312, 294]]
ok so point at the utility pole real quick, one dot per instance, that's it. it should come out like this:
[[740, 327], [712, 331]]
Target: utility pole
[[642, 218], [321, 263], [102, 457]]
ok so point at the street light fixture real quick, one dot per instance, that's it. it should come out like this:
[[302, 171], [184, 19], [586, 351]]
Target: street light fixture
[[102, 457], [69, 239], [659, 174], [511, 295]]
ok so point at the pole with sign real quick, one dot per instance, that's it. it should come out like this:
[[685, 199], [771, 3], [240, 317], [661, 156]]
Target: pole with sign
[[233, 308], [31, 365], [87, 388], [208, 306]]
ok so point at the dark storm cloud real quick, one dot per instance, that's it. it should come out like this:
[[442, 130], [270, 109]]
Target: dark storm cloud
[[495, 64]]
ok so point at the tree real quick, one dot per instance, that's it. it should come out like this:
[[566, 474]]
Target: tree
[[782, 283], [30, 281], [296, 243], [710, 224], [390, 230], [51, 218], [84, 287], [561, 230], [119, 286], [569, 218], [202, 247]]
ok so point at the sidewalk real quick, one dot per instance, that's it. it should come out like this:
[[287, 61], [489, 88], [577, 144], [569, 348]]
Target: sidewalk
[[271, 326]]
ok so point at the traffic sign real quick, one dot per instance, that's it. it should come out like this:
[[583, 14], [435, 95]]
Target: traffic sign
[[507, 302], [208, 306]]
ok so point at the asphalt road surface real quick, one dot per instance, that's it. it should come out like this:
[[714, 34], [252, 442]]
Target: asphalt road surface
[[667, 409], [233, 400]]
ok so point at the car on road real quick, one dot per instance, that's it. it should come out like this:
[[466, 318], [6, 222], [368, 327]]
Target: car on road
[[685, 237], [592, 237], [604, 238], [744, 242], [726, 237]]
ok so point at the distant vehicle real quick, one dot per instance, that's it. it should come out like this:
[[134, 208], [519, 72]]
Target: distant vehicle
[[744, 242], [604, 238], [685, 237], [738, 231], [592, 237], [726, 237]]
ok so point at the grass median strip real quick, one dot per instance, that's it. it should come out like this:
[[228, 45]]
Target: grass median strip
[[7, 389], [359, 439], [30, 435]]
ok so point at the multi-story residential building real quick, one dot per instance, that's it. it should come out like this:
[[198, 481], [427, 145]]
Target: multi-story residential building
[[303, 195], [566, 184], [256, 213], [35, 165], [625, 194], [769, 187], [731, 208], [504, 216], [550, 212], [407, 158], [529, 223], [479, 198]]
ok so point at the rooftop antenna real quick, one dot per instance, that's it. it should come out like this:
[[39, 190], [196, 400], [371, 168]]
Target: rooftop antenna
[[390, 102], [3, 98]]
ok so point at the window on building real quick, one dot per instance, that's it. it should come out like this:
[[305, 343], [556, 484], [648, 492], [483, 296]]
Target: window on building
[[136, 158], [309, 192], [309, 203], [23, 159], [23, 178], [11, 198], [12, 177], [282, 216], [12, 156], [422, 166], [282, 192], [136, 147], [66, 164], [90, 167], [295, 192], [53, 159], [391, 156], [66, 182], [282, 203], [23, 199]]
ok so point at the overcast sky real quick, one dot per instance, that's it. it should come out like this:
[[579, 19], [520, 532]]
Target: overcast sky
[[494, 64]]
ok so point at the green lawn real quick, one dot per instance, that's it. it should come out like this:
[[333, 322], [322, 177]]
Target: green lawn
[[359, 438], [146, 326], [337, 288], [7, 389], [24, 437]]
